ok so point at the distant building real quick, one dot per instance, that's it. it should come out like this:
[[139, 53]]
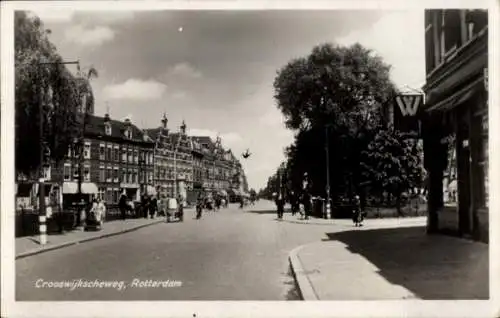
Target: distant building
[[455, 129]]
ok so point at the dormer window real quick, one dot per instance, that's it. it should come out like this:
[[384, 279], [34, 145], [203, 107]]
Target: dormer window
[[128, 133], [107, 129]]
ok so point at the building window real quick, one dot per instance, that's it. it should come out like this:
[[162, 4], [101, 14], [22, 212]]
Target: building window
[[117, 153], [102, 174], [86, 172], [136, 157], [101, 193], [75, 172], [102, 152], [136, 180], [128, 133], [86, 150], [70, 151], [109, 174], [129, 176], [124, 175], [116, 195], [451, 31], [110, 153], [107, 129], [124, 154], [130, 156], [115, 174], [109, 195], [476, 21], [67, 172]]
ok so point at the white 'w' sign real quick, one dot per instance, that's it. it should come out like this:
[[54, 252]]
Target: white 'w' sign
[[408, 104]]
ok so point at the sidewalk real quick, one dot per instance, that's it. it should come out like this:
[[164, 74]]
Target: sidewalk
[[29, 245], [368, 223], [391, 264]]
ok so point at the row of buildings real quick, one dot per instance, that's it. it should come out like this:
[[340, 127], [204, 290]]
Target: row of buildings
[[455, 121], [118, 157]]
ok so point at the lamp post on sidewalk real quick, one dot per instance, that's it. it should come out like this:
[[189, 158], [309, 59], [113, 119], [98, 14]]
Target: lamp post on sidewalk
[[44, 152], [327, 151]]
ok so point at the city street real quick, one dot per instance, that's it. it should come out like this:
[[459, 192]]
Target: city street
[[227, 255]]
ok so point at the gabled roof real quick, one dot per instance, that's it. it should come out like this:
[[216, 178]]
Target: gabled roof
[[95, 126]]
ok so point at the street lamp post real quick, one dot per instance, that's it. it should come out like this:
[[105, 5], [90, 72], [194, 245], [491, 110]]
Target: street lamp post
[[42, 217], [327, 151]]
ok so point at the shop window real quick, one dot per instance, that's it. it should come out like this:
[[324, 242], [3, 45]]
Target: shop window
[[116, 195]]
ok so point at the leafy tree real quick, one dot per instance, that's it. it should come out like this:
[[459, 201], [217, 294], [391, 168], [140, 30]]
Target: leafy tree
[[393, 164], [335, 91], [42, 81]]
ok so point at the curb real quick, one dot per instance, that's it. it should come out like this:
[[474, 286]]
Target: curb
[[83, 240], [305, 287]]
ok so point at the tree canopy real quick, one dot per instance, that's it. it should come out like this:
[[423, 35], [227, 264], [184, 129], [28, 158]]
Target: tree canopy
[[337, 96], [42, 80]]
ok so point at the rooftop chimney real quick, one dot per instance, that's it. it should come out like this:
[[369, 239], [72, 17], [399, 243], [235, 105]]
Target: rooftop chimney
[[183, 128]]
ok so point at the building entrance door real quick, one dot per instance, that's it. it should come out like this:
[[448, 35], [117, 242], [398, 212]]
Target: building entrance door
[[464, 173]]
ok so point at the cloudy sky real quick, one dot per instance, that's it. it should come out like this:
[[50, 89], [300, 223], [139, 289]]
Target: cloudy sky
[[215, 69]]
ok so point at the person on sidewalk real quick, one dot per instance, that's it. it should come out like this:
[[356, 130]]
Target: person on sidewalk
[[357, 213], [153, 207], [122, 205], [306, 196], [280, 205], [294, 203]]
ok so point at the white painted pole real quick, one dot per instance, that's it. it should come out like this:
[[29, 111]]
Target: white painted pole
[[43, 229]]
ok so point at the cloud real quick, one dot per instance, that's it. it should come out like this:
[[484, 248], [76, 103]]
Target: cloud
[[94, 36], [105, 17], [53, 15], [272, 118], [135, 89], [184, 70], [403, 48]]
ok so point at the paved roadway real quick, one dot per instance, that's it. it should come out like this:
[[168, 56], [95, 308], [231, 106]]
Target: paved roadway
[[227, 255]]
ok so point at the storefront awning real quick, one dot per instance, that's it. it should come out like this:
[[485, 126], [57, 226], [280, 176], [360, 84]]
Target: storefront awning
[[72, 188], [457, 98]]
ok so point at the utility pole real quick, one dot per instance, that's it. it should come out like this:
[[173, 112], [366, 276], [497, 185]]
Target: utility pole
[[42, 216]]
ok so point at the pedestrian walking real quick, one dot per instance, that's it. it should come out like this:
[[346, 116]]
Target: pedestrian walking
[[306, 196], [294, 203], [122, 205], [153, 207], [357, 213], [280, 205]]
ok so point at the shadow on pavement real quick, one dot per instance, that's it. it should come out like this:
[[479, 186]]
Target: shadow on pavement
[[432, 267], [292, 290]]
